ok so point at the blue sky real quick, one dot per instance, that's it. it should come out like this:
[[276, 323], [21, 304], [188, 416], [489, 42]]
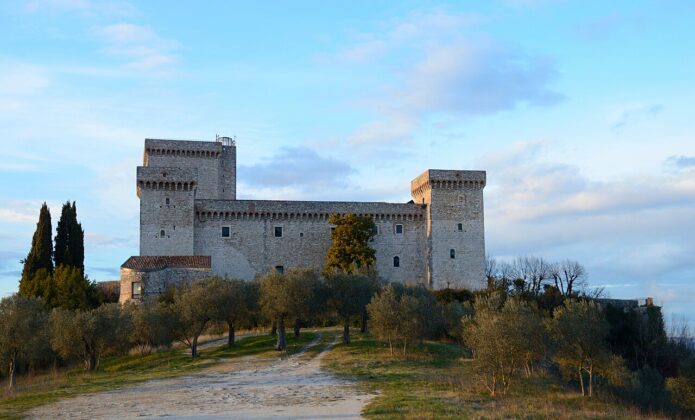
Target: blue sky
[[581, 112]]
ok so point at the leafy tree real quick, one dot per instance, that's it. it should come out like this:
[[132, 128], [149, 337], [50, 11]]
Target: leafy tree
[[23, 333], [151, 325], [499, 337], [194, 308], [385, 315], [72, 289], [682, 387], [579, 330], [307, 294], [348, 296], [235, 302], [350, 251], [90, 334], [275, 303], [452, 313], [404, 314], [39, 257], [69, 240]]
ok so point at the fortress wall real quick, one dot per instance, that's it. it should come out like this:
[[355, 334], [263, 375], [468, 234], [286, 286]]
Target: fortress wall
[[252, 247]]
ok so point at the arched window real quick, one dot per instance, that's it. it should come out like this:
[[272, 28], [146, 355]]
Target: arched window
[[396, 261], [162, 233], [460, 227], [452, 253]]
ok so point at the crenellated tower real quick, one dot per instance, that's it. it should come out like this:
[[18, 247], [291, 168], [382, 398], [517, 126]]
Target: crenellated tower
[[455, 227], [174, 174]]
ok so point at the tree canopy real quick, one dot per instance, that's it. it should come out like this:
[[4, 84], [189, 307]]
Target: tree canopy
[[350, 250]]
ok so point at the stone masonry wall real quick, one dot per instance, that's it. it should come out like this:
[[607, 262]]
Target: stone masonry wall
[[252, 247], [453, 198], [215, 163], [156, 282], [175, 219]]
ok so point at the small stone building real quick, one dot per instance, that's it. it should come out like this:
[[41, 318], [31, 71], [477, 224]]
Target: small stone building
[[192, 225]]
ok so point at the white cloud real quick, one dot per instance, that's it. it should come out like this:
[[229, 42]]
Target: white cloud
[[441, 68], [18, 79], [140, 46], [631, 113]]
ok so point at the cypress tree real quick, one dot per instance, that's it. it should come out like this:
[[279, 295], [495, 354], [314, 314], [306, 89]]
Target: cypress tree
[[40, 255], [69, 250], [62, 234], [76, 241]]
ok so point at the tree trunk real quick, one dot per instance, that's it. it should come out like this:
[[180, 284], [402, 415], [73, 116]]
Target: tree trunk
[[364, 327], [591, 379], [282, 340], [405, 345], [194, 347], [13, 373], [346, 330], [297, 327], [92, 362], [231, 337], [390, 346], [581, 379]]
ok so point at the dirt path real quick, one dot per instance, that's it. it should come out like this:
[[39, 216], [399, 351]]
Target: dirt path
[[248, 387]]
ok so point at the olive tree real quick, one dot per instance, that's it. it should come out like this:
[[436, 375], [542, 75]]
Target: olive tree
[[151, 325], [579, 330], [193, 309], [349, 294], [403, 314], [504, 335], [90, 334], [235, 301], [23, 334]]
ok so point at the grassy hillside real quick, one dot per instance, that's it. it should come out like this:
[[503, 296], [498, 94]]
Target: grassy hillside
[[437, 381], [118, 372]]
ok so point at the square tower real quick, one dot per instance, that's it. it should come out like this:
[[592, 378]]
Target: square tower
[[455, 227]]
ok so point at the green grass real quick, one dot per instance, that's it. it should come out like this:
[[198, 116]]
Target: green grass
[[436, 380], [123, 371]]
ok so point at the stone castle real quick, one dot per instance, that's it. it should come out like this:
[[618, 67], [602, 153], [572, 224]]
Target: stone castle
[[192, 225]]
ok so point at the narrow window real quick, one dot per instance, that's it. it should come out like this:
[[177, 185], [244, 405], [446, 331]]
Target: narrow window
[[460, 227], [278, 231], [375, 230], [162, 233], [301, 234], [225, 231], [452, 253], [137, 290], [396, 262], [399, 229], [280, 269], [167, 201]]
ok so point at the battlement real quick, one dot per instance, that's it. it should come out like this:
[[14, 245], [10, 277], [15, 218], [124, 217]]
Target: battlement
[[162, 178], [447, 179], [182, 148]]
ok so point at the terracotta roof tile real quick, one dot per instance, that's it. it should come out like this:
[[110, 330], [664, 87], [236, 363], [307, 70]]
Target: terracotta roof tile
[[160, 263]]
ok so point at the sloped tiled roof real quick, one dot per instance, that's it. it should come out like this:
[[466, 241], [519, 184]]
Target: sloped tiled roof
[[160, 263]]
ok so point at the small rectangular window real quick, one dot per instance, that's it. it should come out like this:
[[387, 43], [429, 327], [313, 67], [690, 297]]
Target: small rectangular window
[[375, 230], [167, 201], [162, 233], [452, 254], [301, 234], [396, 261], [225, 231], [280, 269], [137, 290], [278, 231], [399, 229], [460, 227]]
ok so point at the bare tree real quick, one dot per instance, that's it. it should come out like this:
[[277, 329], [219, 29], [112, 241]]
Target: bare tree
[[534, 271], [491, 267], [569, 276]]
